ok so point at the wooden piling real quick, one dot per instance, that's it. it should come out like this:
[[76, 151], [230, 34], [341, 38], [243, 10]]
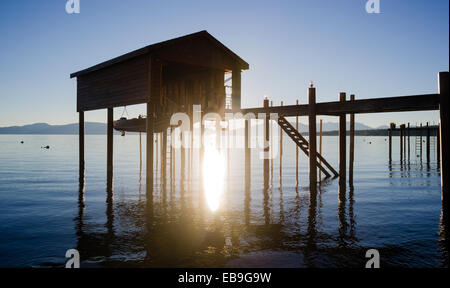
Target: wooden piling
[[428, 143], [401, 142], [320, 149], [342, 143], [247, 152], [149, 149], [438, 144], [81, 146], [444, 134], [312, 137], [391, 128], [421, 141], [164, 157], [266, 145], [140, 156], [296, 151], [281, 151], [109, 153], [352, 145], [271, 147], [409, 143], [182, 156]]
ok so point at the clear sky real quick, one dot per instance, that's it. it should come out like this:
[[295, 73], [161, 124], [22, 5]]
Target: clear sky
[[334, 43]]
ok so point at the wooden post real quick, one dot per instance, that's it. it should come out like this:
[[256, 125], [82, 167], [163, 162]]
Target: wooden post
[[271, 148], [149, 149], [266, 145], [444, 134], [81, 146], [236, 89], [281, 151], [342, 143], [312, 137], [109, 153], [401, 142], [428, 143], [320, 149], [409, 143], [421, 142], [296, 152], [352, 145], [438, 145], [182, 156], [247, 152], [140, 156], [391, 128], [164, 157]]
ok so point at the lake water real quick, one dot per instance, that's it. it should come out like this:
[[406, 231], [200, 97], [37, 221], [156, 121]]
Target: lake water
[[393, 208]]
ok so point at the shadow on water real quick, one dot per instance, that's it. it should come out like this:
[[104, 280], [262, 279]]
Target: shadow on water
[[174, 228]]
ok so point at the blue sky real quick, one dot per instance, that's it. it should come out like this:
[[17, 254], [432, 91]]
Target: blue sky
[[334, 43]]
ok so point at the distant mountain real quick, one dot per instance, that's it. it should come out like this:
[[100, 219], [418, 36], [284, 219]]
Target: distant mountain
[[91, 128], [96, 128]]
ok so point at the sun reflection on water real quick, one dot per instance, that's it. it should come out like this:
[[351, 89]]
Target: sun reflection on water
[[213, 177]]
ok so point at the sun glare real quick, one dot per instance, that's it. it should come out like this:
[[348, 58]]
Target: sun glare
[[213, 177]]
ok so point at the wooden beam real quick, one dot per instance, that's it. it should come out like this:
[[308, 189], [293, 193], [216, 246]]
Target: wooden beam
[[109, 151], [342, 143], [375, 105], [312, 138]]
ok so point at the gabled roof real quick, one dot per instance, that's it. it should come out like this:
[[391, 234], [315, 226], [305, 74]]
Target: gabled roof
[[165, 44]]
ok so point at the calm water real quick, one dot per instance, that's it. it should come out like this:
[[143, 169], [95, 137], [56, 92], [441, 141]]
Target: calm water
[[395, 209]]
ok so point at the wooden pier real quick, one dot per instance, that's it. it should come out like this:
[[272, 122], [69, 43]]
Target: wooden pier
[[174, 75]]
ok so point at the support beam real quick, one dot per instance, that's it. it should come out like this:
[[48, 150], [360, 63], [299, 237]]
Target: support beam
[[149, 149], [312, 138], [444, 134], [438, 145], [236, 89], [428, 143], [352, 145], [81, 146], [109, 151], [421, 142], [401, 142], [342, 143], [391, 129], [281, 152], [409, 143], [296, 151], [247, 152], [266, 145]]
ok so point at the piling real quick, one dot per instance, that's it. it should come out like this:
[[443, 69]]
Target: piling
[[428, 143], [409, 145], [281, 151], [320, 149], [182, 156], [149, 149], [352, 145], [247, 152], [438, 145], [342, 142], [81, 146], [296, 151], [266, 145], [109, 152], [421, 141], [271, 148], [444, 134], [391, 128], [312, 137], [401, 142], [164, 157]]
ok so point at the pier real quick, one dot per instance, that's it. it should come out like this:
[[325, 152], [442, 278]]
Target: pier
[[172, 76]]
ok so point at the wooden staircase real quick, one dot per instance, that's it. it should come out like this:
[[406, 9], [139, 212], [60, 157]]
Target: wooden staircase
[[304, 145]]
